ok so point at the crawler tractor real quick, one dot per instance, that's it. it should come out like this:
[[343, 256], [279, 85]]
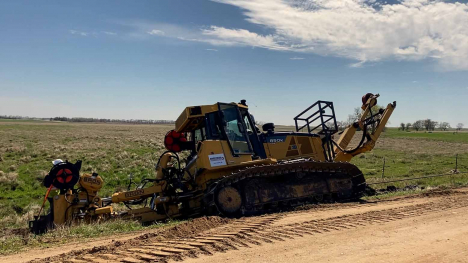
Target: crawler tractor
[[232, 168]]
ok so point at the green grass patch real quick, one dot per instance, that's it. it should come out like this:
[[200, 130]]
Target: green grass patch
[[444, 136], [402, 165], [407, 164], [394, 194]]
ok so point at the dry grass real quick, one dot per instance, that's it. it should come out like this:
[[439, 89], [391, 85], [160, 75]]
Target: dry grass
[[418, 146], [19, 216], [9, 179]]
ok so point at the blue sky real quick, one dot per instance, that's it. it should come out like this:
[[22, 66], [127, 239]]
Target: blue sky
[[150, 59]]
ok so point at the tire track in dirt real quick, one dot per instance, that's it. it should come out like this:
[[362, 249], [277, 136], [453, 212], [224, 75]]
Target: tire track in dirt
[[253, 231]]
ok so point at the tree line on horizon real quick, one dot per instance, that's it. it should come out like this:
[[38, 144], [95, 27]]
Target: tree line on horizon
[[428, 125], [82, 119]]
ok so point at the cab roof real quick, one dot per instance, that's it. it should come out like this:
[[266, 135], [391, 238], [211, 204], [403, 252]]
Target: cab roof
[[192, 116]]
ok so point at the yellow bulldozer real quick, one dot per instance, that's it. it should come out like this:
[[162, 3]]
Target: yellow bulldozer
[[231, 167]]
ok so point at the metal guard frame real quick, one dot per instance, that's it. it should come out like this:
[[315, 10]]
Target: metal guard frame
[[328, 125]]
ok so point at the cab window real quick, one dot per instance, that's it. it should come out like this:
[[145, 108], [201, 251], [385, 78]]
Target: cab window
[[199, 135], [213, 124], [235, 129], [246, 118]]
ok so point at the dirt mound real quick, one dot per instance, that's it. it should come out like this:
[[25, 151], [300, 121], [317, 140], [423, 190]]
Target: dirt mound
[[186, 229]]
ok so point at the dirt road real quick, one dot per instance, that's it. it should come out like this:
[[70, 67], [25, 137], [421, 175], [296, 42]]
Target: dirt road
[[426, 228], [392, 235]]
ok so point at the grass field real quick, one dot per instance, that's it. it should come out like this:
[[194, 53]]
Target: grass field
[[117, 150], [114, 151], [414, 154]]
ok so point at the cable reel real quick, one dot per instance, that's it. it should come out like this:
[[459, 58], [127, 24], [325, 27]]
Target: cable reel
[[63, 175]]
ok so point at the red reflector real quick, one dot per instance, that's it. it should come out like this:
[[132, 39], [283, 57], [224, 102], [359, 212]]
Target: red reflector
[[68, 171], [175, 141], [68, 179], [169, 140], [60, 172], [175, 134], [176, 148], [60, 179]]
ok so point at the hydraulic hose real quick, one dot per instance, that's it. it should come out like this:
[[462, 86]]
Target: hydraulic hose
[[367, 122], [364, 133]]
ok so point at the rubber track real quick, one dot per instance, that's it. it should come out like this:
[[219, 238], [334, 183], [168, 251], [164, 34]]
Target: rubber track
[[253, 231]]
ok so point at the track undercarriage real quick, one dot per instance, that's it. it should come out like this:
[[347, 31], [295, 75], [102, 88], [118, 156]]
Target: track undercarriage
[[287, 184]]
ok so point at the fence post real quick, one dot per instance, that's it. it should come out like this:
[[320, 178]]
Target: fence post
[[383, 168], [456, 163]]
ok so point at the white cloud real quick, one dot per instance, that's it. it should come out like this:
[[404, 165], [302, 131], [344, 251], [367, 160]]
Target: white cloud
[[296, 58], [80, 33], [358, 64], [156, 32], [95, 34], [363, 30], [240, 37], [211, 49]]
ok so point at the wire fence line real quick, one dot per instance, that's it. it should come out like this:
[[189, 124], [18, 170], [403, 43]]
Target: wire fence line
[[416, 178], [453, 172]]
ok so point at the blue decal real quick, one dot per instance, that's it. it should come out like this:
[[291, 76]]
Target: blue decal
[[276, 139]]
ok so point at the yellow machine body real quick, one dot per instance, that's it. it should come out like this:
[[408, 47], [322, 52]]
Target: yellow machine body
[[81, 204], [283, 147], [232, 153], [92, 183], [234, 169], [61, 206]]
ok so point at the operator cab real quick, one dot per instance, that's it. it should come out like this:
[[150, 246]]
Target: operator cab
[[229, 122]]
